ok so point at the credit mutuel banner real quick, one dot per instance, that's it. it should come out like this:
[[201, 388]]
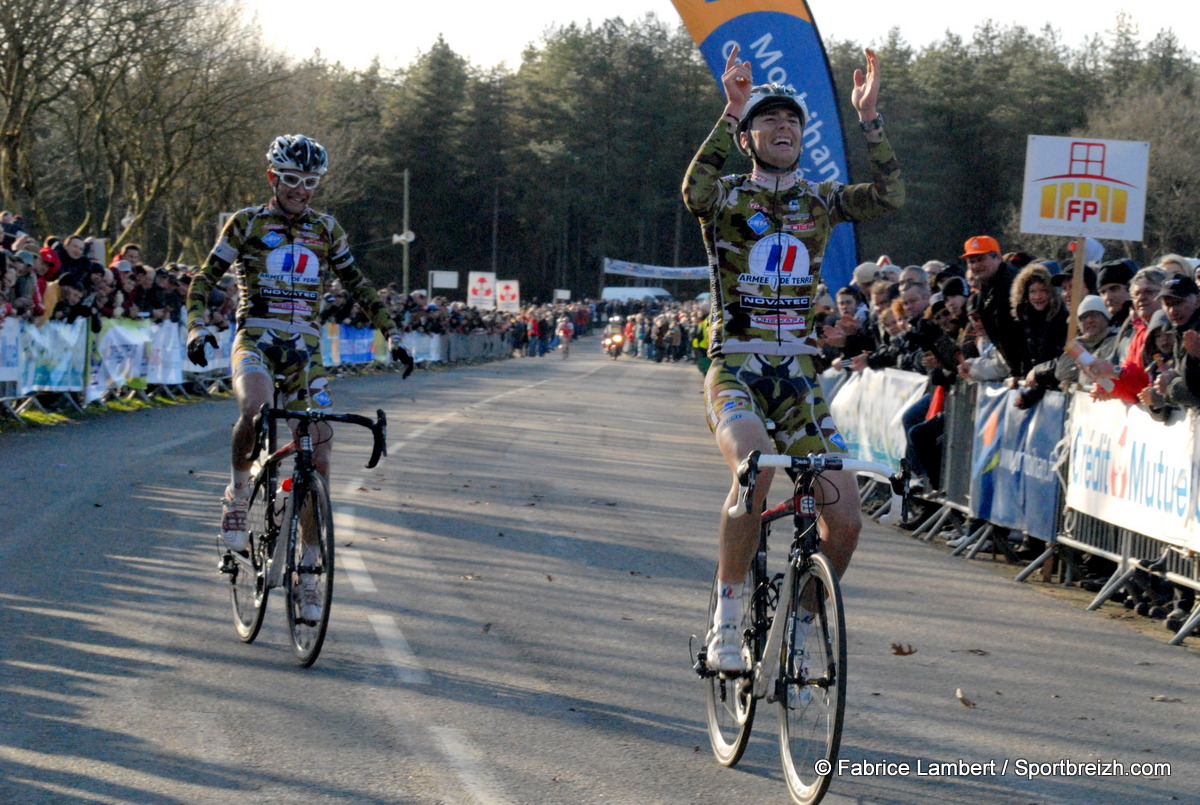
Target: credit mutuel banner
[[780, 40]]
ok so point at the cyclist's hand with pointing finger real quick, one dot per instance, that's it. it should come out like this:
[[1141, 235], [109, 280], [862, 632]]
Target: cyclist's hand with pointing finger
[[399, 353], [195, 346], [737, 83]]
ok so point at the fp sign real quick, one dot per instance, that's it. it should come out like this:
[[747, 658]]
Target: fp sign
[[1093, 188]]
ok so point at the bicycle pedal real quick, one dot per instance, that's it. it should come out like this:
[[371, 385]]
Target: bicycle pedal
[[700, 666], [227, 564]]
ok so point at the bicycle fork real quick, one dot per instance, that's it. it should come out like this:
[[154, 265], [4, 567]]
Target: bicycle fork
[[283, 535]]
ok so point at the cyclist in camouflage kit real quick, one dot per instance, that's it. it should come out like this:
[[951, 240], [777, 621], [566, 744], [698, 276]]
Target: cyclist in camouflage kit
[[280, 253], [765, 233]]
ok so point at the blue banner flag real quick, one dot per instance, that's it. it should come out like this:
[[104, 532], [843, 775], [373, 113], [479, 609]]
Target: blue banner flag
[[1013, 480], [780, 40]]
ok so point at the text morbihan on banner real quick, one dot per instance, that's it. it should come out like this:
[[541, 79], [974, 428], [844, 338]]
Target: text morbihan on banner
[[481, 289], [780, 40]]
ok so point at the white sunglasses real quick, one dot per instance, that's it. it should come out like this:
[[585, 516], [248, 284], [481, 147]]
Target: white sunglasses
[[293, 180]]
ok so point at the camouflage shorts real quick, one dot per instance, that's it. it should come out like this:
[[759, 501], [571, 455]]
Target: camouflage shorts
[[294, 359], [781, 388]]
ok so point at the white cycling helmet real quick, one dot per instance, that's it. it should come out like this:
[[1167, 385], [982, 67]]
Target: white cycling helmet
[[765, 97], [299, 153]]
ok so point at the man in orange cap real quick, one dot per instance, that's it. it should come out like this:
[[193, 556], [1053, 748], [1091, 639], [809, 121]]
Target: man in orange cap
[[992, 279]]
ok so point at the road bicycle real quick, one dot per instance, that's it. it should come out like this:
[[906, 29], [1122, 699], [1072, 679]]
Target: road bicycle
[[795, 631], [290, 528]]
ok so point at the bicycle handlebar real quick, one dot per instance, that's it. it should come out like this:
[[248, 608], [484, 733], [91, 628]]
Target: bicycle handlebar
[[377, 426], [748, 471]]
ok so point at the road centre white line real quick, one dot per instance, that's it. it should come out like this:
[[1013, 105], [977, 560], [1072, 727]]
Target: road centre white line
[[351, 562], [408, 668], [416, 434], [465, 760]]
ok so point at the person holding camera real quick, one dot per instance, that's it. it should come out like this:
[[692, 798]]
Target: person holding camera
[[281, 252]]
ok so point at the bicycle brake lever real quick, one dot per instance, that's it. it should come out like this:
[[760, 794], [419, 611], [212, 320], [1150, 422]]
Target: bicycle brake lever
[[747, 472], [379, 449], [260, 430], [899, 484]]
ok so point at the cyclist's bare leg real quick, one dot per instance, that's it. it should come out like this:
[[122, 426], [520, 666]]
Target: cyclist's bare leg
[[251, 389], [739, 537], [841, 518], [839, 523]]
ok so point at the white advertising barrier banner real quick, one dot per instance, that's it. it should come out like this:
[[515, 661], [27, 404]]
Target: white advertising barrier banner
[[423, 348], [118, 357], [508, 296], [867, 409], [481, 289], [10, 350], [1136, 473], [53, 357], [165, 358]]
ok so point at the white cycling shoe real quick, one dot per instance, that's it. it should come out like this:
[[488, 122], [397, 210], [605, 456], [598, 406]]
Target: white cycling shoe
[[233, 522], [726, 650], [310, 597]]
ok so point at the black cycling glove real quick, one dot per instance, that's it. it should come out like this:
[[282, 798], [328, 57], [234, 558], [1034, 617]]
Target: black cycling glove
[[399, 353], [195, 346]]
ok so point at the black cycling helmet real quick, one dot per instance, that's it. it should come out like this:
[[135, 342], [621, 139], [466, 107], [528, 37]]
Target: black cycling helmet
[[299, 153]]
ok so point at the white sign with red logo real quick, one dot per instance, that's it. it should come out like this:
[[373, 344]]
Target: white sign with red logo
[[508, 296], [1079, 186], [481, 289]]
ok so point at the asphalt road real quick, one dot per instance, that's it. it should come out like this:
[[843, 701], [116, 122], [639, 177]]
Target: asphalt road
[[516, 592]]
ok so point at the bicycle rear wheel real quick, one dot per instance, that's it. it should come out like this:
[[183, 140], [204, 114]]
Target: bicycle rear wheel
[[728, 700], [310, 566], [248, 589], [812, 682]]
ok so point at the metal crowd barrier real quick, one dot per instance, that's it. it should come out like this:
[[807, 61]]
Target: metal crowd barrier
[[1130, 551]]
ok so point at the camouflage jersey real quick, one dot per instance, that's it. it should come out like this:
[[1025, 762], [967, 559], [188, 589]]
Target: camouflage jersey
[[279, 261], [766, 235]]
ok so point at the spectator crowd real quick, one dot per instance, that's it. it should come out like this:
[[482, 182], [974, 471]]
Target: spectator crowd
[[60, 279], [1006, 317]]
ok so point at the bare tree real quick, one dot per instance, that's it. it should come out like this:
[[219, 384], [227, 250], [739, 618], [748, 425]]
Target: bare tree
[[46, 46], [156, 118]]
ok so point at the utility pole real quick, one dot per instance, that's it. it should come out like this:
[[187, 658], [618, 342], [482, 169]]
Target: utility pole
[[405, 229], [495, 227]]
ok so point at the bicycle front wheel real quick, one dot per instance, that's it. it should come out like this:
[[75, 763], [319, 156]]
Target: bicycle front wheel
[[728, 699], [248, 581], [310, 570], [812, 681]]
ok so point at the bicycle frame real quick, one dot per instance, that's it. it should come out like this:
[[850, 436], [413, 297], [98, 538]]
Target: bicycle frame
[[805, 541], [301, 446]]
